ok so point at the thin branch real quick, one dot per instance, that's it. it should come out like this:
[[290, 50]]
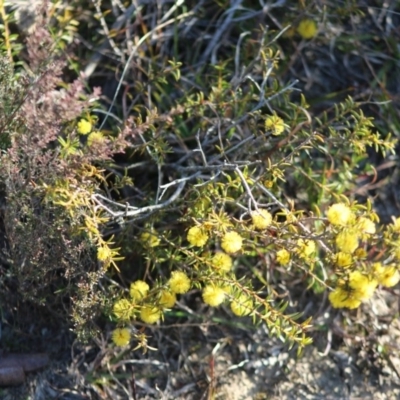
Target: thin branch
[[247, 187], [135, 211]]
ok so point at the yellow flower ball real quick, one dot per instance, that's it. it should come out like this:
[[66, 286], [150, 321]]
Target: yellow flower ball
[[139, 290], [343, 260], [167, 299], [341, 298], [84, 127], [347, 241], [363, 287], [121, 336], [213, 295], [261, 219], [339, 214], [123, 309], [307, 28], [222, 262], [274, 124], [283, 257], [95, 137], [197, 236], [104, 253], [268, 183], [179, 282], [149, 239], [387, 276], [366, 226], [150, 315], [305, 248], [242, 306], [231, 242]]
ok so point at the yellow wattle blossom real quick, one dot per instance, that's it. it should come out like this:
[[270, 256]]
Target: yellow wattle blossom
[[274, 124], [213, 295], [121, 336], [139, 290], [167, 299], [150, 314], [242, 306], [363, 286], [123, 309], [339, 214], [343, 260], [149, 239], [95, 137], [283, 257], [341, 298], [347, 241], [84, 127], [366, 226], [305, 248], [179, 282], [197, 236], [231, 242], [261, 219], [268, 183], [359, 288], [307, 28], [222, 262], [387, 276], [104, 253]]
